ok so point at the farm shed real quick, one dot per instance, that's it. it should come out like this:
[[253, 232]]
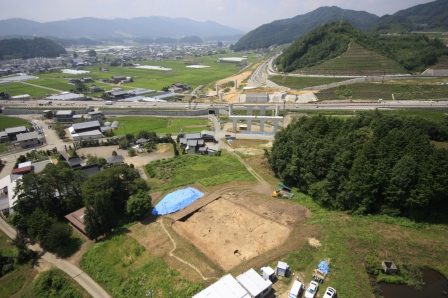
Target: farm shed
[[254, 284], [226, 287], [268, 273], [282, 269]]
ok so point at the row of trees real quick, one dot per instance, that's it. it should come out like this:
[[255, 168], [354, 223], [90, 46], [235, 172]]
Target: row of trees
[[369, 164]]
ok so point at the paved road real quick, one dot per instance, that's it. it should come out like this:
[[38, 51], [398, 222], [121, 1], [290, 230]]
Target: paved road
[[77, 274]]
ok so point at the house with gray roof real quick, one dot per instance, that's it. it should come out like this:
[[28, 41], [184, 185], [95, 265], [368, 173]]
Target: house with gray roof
[[28, 139]]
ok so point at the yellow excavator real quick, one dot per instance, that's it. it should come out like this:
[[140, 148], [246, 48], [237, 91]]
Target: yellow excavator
[[284, 192]]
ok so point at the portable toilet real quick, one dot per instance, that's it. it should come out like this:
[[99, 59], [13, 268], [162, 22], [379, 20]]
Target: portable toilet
[[282, 269], [268, 273], [295, 290]]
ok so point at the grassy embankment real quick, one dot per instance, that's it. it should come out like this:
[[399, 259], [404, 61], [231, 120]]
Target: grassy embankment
[[132, 125], [303, 82]]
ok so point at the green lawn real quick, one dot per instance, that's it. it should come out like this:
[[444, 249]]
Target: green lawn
[[133, 124], [127, 269], [6, 122], [188, 169]]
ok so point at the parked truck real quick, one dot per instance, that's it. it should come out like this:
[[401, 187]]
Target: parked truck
[[109, 102]]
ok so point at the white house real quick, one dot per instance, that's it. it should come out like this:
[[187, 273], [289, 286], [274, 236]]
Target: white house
[[226, 287], [7, 197]]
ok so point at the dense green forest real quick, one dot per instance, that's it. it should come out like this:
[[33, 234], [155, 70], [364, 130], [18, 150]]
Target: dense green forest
[[329, 41], [288, 30], [429, 16], [29, 48], [369, 164]]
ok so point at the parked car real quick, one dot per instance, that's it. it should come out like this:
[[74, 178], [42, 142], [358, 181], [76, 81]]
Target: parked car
[[311, 290], [329, 293]]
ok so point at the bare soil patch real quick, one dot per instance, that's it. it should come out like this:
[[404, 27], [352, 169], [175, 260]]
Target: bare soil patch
[[163, 151], [229, 233]]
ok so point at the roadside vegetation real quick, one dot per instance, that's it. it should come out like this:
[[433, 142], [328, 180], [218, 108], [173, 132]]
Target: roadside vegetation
[[55, 283]]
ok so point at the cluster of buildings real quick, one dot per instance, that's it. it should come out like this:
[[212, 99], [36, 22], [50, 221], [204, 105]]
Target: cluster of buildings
[[199, 143], [20, 136]]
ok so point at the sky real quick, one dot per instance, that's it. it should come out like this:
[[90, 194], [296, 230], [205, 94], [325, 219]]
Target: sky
[[241, 14]]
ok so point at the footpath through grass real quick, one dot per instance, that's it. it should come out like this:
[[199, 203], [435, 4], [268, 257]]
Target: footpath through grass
[[188, 169], [127, 269]]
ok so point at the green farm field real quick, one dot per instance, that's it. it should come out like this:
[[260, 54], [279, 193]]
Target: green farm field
[[6, 122], [134, 124], [157, 79], [14, 89]]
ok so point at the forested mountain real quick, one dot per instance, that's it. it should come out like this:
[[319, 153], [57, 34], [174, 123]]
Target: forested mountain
[[329, 41], [29, 48], [289, 30], [368, 164], [392, 24], [94, 28], [431, 16]]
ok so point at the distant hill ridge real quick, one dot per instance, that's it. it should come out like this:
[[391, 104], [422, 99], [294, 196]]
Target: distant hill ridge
[[287, 30], [432, 16], [153, 27]]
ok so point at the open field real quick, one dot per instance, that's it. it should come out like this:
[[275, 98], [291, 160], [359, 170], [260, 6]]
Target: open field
[[134, 124], [303, 82], [374, 91], [156, 79], [188, 169], [357, 60], [126, 269], [14, 89]]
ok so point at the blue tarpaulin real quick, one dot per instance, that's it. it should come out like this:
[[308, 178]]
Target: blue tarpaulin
[[323, 266], [177, 200]]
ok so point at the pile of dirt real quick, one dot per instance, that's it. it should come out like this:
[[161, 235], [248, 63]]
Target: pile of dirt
[[314, 242]]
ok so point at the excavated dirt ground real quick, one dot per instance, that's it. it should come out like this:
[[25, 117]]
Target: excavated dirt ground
[[229, 233]]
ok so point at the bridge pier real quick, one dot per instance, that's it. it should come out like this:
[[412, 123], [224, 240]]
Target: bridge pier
[[261, 125]]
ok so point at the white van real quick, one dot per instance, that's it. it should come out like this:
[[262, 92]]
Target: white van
[[295, 290]]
